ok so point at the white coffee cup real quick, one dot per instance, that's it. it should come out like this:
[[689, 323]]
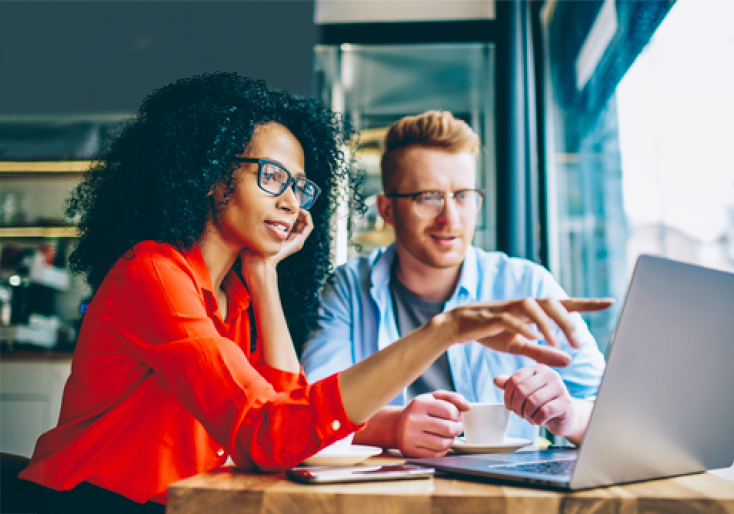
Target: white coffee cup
[[339, 447], [485, 423]]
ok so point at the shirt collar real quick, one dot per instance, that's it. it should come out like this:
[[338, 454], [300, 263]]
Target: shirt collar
[[468, 285], [237, 293], [382, 261], [469, 279]]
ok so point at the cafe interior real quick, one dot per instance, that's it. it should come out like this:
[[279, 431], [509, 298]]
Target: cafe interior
[[604, 125]]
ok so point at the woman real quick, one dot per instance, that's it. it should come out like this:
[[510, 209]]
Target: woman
[[185, 357]]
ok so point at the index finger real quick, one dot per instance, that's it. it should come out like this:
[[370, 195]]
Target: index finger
[[587, 304], [559, 309]]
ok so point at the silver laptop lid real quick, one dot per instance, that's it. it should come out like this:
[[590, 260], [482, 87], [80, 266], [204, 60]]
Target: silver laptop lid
[[665, 407]]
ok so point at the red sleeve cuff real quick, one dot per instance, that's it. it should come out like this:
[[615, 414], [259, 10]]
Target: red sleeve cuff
[[281, 380], [336, 425]]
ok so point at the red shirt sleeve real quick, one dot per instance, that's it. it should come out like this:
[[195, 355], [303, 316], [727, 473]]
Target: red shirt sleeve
[[270, 419], [163, 388]]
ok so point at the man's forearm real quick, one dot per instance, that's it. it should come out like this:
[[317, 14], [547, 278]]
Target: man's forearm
[[583, 410], [382, 429]]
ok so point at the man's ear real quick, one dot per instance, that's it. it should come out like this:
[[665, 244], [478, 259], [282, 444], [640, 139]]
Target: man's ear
[[385, 208]]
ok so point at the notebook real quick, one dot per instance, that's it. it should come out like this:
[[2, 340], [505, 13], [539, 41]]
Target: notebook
[[664, 404]]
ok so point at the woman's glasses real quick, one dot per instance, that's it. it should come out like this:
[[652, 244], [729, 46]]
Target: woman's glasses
[[429, 204], [274, 179]]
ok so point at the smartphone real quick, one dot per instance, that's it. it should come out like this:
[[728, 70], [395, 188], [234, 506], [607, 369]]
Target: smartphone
[[331, 475]]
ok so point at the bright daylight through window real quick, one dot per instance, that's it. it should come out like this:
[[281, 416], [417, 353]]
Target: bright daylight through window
[[638, 153], [676, 129]]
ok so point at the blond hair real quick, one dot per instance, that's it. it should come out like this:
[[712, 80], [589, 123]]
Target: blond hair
[[433, 129]]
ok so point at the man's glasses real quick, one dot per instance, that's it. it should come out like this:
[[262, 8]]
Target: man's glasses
[[429, 204], [274, 179]]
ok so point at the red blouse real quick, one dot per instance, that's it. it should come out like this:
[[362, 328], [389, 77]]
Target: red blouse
[[161, 388]]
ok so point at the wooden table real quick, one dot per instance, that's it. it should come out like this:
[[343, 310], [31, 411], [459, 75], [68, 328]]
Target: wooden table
[[226, 490]]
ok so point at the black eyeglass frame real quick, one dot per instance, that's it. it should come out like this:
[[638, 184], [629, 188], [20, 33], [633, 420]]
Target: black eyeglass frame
[[291, 181]]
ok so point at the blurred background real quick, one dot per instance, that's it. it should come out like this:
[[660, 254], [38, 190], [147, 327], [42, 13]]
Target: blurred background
[[604, 127]]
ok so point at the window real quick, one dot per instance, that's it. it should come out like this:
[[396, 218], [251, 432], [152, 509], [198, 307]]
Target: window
[[378, 84], [636, 149]]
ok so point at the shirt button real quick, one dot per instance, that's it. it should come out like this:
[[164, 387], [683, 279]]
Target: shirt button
[[335, 425], [220, 452]]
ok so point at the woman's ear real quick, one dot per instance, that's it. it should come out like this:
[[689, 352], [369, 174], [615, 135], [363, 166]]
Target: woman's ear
[[384, 207]]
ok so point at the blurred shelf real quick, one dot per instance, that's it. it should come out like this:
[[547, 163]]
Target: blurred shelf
[[30, 352], [38, 232], [12, 168]]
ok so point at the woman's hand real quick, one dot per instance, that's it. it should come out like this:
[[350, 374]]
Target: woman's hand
[[256, 264], [261, 277], [297, 236], [508, 326], [516, 326]]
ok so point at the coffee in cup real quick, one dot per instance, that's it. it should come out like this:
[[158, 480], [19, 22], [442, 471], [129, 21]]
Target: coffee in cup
[[485, 423]]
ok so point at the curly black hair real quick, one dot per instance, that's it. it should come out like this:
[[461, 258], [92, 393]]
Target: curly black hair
[[152, 180]]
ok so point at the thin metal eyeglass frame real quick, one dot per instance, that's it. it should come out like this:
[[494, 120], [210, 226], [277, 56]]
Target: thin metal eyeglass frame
[[443, 194], [295, 181]]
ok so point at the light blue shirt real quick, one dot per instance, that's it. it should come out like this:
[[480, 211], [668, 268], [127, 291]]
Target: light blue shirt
[[356, 319]]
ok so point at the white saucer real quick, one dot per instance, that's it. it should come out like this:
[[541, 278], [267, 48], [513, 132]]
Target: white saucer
[[356, 454], [510, 444]]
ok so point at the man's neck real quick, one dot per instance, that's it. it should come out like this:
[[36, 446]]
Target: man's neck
[[429, 283]]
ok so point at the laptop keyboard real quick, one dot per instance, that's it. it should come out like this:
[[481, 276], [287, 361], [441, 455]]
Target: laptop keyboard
[[552, 467]]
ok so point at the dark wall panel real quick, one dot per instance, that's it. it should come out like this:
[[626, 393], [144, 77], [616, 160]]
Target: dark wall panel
[[104, 56]]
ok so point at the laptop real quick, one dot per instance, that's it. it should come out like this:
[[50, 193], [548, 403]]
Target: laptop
[[664, 404]]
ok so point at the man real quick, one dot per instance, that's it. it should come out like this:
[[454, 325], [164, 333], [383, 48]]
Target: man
[[431, 201]]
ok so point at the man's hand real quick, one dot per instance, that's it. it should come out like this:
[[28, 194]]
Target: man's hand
[[512, 326], [428, 425], [537, 394], [515, 326]]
